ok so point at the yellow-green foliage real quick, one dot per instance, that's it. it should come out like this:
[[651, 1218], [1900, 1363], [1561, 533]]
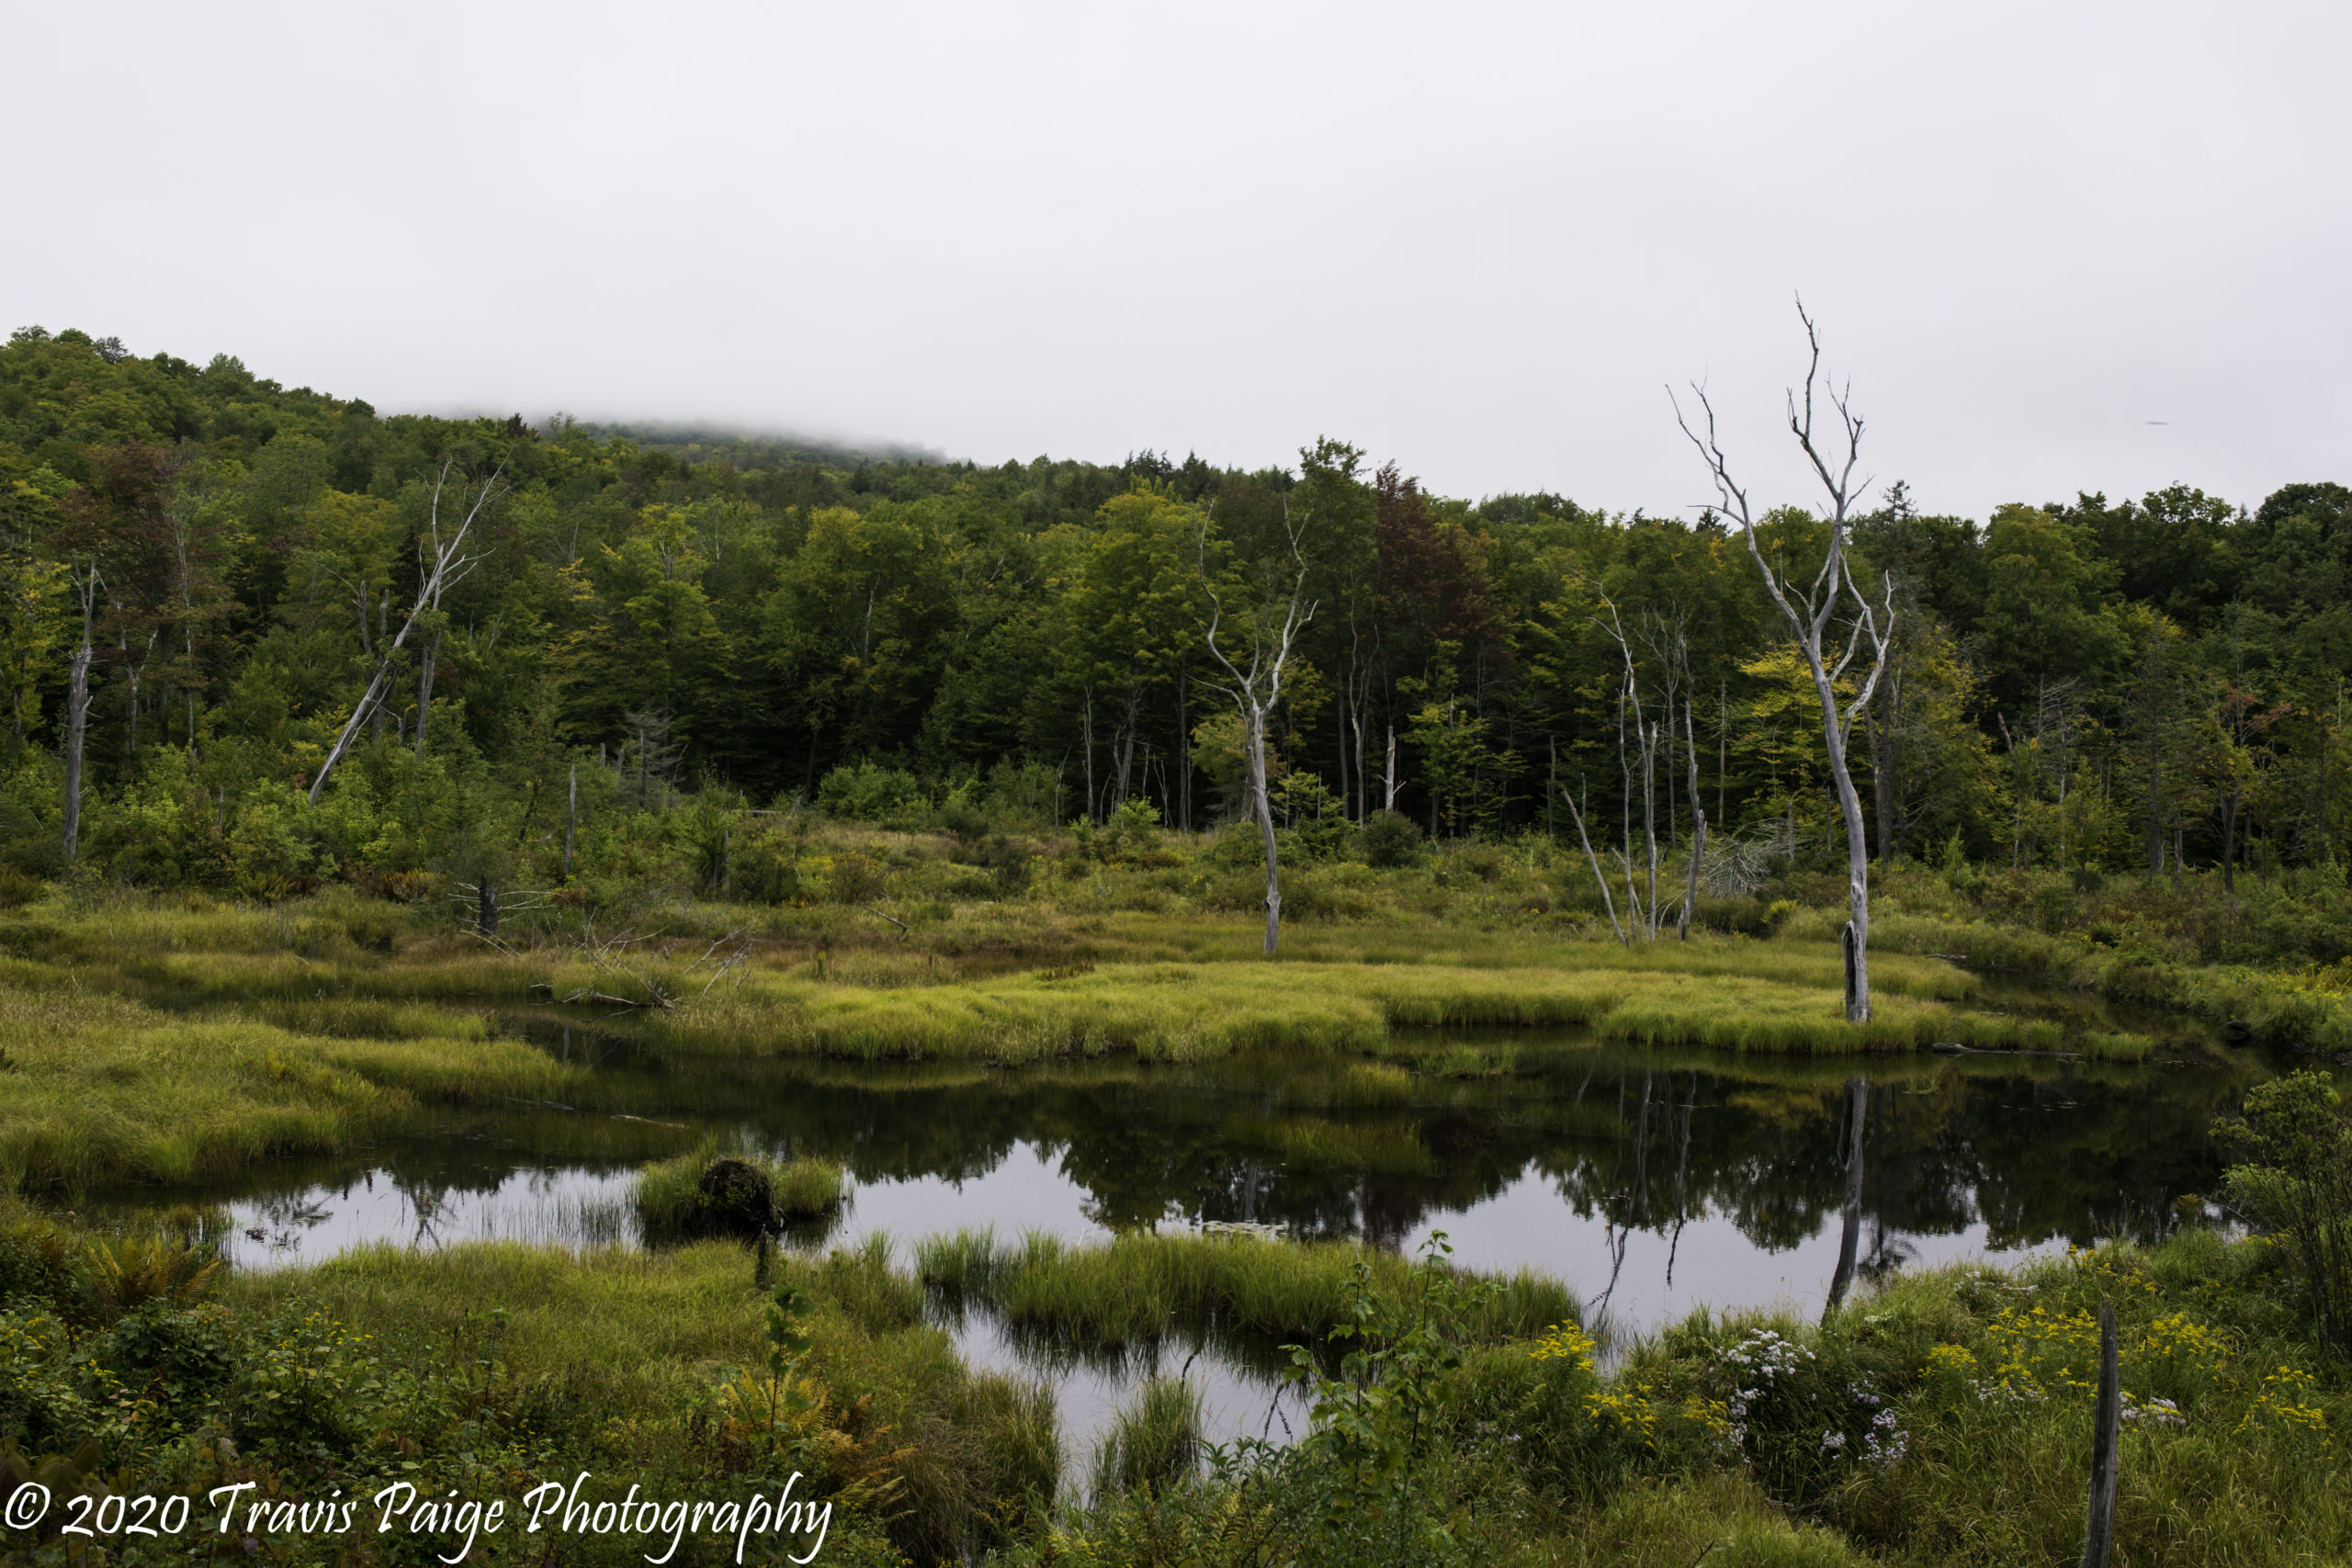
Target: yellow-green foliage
[[104, 1088], [2235, 1420], [1169, 1011]]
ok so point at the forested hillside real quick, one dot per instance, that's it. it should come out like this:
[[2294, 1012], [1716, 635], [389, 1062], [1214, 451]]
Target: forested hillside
[[701, 626]]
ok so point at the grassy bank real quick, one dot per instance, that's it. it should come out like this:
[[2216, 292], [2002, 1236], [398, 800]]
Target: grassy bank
[[146, 1040], [2309, 1006], [1942, 1419], [103, 1088]]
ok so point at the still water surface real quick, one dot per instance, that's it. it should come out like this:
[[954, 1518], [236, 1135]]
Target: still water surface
[[1653, 1181]]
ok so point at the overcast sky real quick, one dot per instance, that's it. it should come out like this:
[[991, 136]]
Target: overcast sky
[[1477, 238]]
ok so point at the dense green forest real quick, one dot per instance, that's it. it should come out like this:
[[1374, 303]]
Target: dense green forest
[[692, 625]]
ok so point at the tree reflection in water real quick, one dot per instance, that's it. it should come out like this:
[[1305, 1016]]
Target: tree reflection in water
[[1645, 1143]]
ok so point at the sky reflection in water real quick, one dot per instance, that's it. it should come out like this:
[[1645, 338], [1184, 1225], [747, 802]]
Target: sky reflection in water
[[1653, 1181]]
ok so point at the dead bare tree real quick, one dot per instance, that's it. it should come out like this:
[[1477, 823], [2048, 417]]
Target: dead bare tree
[[1666, 636], [1813, 614], [644, 964], [87, 583], [1257, 688], [1598, 880], [443, 562], [1698, 828]]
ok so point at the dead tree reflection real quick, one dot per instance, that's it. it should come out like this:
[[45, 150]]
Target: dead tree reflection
[[1858, 1093]]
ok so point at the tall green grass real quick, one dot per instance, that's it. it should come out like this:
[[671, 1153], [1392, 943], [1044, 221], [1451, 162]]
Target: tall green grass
[[1139, 1287], [1155, 1440]]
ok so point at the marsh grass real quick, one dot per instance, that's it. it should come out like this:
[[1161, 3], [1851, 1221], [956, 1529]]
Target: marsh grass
[[1155, 1439], [107, 1088], [1378, 1085], [1185, 1012], [158, 1042], [613, 1357], [1011, 1430], [1140, 1287], [861, 1282], [958, 1265], [2311, 1007]]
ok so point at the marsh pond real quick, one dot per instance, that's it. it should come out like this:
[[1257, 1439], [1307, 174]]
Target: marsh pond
[[1652, 1181]]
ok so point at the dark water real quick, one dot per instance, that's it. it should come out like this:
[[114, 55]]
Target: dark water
[[1651, 1181]]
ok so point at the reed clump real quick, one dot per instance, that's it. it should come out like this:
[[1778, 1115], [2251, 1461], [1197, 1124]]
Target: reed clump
[[1155, 1440], [1142, 1286]]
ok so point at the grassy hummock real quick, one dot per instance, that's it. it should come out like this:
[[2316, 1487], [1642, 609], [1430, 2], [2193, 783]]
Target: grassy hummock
[[671, 1206], [1144, 1284]]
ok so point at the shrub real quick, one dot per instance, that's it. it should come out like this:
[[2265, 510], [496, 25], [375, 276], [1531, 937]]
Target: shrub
[[857, 879], [2297, 1185], [1131, 835], [1389, 840], [1013, 863], [1237, 845], [766, 869], [871, 793], [16, 889], [1482, 860], [963, 821]]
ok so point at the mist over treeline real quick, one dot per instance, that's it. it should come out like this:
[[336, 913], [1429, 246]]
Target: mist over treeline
[[689, 621]]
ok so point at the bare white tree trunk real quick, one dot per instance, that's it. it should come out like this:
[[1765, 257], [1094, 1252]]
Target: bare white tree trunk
[[1647, 740], [1258, 687], [448, 565], [1086, 737], [1698, 829], [1810, 616], [1598, 880], [424, 667], [86, 584], [1262, 797]]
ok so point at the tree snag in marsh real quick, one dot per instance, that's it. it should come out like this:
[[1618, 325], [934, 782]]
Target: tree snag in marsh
[[1812, 615]]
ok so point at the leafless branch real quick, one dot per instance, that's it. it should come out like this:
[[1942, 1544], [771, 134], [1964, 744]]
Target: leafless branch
[[447, 566]]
